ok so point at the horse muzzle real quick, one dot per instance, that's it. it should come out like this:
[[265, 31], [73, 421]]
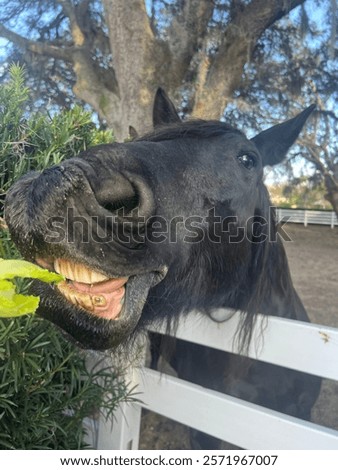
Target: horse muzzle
[[107, 277]]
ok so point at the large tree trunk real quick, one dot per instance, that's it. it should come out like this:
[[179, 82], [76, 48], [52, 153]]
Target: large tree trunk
[[136, 59], [143, 62]]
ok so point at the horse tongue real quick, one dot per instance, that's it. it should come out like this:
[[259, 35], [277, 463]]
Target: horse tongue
[[106, 296]]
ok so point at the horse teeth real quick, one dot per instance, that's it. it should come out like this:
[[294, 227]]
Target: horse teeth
[[76, 298], [57, 266], [78, 272], [85, 301], [62, 267], [73, 298], [85, 275]]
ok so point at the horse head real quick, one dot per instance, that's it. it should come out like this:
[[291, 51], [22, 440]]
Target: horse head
[[175, 220]]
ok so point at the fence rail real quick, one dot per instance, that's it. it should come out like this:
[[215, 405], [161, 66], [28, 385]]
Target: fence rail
[[306, 217], [308, 347]]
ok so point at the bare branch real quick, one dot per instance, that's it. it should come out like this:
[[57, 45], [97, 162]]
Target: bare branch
[[84, 5], [248, 25], [69, 11], [222, 75], [187, 33], [40, 48], [314, 157]]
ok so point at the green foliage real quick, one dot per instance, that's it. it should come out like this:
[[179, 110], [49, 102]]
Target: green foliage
[[11, 303], [46, 389], [300, 193], [36, 141]]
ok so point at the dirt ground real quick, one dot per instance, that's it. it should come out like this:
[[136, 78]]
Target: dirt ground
[[313, 260]]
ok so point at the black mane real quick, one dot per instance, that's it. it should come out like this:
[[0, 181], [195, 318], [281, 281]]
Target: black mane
[[197, 128]]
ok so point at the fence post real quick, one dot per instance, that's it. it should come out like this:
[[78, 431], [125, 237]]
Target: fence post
[[305, 218], [123, 431], [332, 219]]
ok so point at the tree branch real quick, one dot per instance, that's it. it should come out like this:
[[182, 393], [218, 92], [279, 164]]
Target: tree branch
[[220, 75], [69, 11], [187, 33], [95, 37], [40, 48], [247, 26], [314, 158], [83, 6], [94, 84]]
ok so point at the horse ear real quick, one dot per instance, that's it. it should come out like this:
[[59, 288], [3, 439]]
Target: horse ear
[[132, 133], [164, 111], [274, 142]]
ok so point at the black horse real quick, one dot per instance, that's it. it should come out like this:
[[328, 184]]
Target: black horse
[[146, 231]]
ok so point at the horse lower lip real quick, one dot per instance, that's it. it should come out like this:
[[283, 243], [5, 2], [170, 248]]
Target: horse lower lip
[[104, 299]]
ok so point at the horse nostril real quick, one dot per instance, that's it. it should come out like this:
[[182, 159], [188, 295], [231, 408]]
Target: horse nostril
[[146, 204], [126, 193], [116, 194], [126, 204]]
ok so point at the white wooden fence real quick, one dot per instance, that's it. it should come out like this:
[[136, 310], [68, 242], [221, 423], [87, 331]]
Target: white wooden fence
[[306, 216], [301, 346]]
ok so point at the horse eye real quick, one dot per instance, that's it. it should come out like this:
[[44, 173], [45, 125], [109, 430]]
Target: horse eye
[[247, 160]]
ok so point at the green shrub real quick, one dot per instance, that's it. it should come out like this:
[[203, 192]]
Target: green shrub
[[34, 141], [46, 390]]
